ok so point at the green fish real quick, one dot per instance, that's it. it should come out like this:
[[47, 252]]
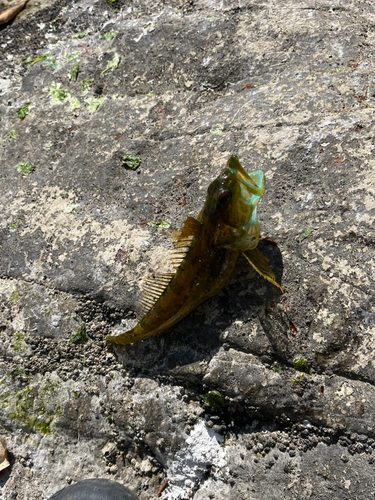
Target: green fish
[[204, 254]]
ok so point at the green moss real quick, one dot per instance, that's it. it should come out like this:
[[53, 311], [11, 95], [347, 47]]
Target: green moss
[[112, 65], [30, 61], [108, 36], [111, 1], [81, 35], [13, 134], [218, 129], [308, 233], [28, 406], [276, 367], [298, 380], [74, 103], [18, 373], [163, 224], [94, 103], [131, 161], [215, 400], [86, 85], [57, 93], [14, 296], [14, 226], [80, 336], [76, 395], [301, 365], [19, 343], [73, 72], [25, 168], [72, 56], [24, 110]]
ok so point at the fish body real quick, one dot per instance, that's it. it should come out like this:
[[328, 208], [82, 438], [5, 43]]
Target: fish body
[[204, 254]]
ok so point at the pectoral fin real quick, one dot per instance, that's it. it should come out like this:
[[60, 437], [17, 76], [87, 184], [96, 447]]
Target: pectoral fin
[[260, 264]]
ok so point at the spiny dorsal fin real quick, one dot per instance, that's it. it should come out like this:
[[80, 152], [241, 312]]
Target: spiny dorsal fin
[[260, 264], [155, 286], [182, 240], [152, 289]]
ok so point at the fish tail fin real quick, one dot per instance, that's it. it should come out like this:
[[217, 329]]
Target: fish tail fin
[[260, 264], [132, 336]]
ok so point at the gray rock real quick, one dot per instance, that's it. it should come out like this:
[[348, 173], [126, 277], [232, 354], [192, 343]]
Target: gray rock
[[254, 393]]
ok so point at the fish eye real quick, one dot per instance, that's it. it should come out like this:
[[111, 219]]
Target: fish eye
[[225, 197]]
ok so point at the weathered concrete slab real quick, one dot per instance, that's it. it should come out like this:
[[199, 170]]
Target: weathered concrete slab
[[268, 388]]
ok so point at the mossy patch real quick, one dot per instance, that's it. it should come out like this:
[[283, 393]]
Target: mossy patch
[[19, 344], [108, 36], [25, 168], [112, 65], [131, 161], [74, 103], [73, 72], [57, 93], [14, 226], [94, 103], [215, 400], [18, 373], [13, 134], [80, 336], [308, 233], [301, 365], [86, 85], [81, 35], [298, 380], [24, 110], [32, 407], [217, 129], [276, 367], [163, 224]]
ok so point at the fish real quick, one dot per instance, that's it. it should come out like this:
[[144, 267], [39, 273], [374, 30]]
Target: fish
[[204, 254], [10, 13]]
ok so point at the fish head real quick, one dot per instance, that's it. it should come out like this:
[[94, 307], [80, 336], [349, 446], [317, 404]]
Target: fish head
[[230, 210]]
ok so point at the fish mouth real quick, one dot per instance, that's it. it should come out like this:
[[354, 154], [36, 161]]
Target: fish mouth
[[254, 182]]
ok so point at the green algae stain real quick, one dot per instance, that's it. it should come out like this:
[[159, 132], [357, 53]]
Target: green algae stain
[[14, 226], [108, 36], [13, 134], [25, 168], [32, 407], [131, 161], [81, 35], [217, 129], [72, 56], [19, 344], [215, 400], [112, 65], [57, 93], [80, 336], [298, 380], [163, 224], [18, 374], [14, 296], [94, 103], [86, 85], [74, 103], [308, 233], [301, 365], [24, 111], [73, 72]]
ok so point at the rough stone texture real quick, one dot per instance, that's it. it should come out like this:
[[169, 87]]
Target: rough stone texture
[[255, 394]]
